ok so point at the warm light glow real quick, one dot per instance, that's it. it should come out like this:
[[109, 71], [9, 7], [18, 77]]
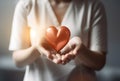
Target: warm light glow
[[37, 34], [33, 33]]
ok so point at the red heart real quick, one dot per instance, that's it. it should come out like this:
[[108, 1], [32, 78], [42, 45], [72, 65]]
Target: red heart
[[57, 38]]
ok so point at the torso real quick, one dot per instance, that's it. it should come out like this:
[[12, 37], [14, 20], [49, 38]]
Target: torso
[[75, 19]]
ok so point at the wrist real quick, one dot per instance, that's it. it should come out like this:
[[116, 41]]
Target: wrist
[[82, 48], [35, 51], [33, 48]]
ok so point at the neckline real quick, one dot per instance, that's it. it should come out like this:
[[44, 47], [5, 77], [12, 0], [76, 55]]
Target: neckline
[[53, 15]]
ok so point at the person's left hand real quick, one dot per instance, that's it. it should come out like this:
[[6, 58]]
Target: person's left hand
[[71, 50]]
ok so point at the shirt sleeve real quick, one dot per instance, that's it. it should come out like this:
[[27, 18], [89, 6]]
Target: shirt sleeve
[[20, 38], [98, 36]]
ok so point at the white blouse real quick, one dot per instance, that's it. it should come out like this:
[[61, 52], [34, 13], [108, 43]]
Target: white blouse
[[84, 18]]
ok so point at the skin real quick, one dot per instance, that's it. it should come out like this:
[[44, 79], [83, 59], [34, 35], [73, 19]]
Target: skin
[[75, 48], [59, 7]]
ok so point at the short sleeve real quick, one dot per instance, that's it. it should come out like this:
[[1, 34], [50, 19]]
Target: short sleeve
[[98, 37], [20, 38]]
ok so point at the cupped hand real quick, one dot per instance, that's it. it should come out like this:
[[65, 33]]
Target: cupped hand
[[38, 41], [50, 53], [71, 50]]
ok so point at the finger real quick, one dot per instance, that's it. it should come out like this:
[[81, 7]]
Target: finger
[[57, 61], [76, 51], [66, 61], [66, 58], [56, 58], [66, 49], [71, 56]]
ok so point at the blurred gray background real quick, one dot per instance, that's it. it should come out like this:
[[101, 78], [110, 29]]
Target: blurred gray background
[[111, 71]]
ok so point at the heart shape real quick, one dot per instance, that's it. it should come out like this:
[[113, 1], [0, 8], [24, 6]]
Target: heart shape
[[57, 38]]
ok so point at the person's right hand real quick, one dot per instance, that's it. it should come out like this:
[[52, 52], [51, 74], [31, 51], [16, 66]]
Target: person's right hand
[[38, 41], [50, 53]]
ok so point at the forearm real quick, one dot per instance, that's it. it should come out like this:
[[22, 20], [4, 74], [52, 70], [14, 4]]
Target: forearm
[[25, 56], [91, 59]]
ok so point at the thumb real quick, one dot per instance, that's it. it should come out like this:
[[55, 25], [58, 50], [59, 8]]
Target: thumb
[[66, 49]]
